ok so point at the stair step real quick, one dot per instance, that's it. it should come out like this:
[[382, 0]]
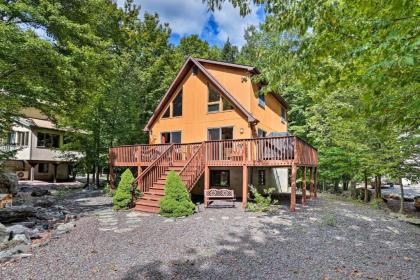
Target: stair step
[[146, 202], [157, 191], [151, 196], [161, 181], [158, 186], [149, 209]]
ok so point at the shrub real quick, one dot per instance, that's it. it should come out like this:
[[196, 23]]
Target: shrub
[[177, 202], [377, 203], [359, 194], [330, 219], [262, 202], [122, 198]]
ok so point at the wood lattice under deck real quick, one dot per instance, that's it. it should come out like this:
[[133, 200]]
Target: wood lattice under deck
[[191, 160]]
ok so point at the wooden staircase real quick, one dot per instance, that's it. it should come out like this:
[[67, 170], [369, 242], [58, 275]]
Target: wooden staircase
[[189, 165], [149, 201]]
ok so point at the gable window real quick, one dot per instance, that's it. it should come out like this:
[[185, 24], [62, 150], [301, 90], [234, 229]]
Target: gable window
[[261, 133], [173, 137], [216, 102], [167, 113], [283, 114], [19, 138], [43, 167], [220, 133], [261, 177], [261, 98], [48, 140], [177, 106], [219, 178]]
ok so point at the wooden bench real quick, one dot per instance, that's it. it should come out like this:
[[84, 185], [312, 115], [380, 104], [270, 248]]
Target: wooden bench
[[219, 194]]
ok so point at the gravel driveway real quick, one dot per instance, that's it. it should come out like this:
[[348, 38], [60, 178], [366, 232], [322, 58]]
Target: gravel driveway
[[327, 240]]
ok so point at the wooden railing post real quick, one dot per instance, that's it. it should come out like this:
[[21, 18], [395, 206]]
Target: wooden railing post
[[206, 184], [304, 186], [311, 182], [244, 185]]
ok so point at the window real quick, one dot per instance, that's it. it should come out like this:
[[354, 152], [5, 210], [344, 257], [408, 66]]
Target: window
[[261, 100], [261, 97], [171, 137], [261, 133], [215, 101], [43, 167], [219, 178], [261, 177], [22, 138], [48, 140], [220, 133], [283, 114], [167, 113], [177, 106]]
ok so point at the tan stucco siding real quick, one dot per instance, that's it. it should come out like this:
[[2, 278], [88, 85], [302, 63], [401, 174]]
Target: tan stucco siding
[[270, 116], [195, 119]]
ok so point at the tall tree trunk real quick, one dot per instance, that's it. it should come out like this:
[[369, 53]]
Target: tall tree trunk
[[87, 179], [402, 196], [366, 188], [97, 175], [345, 185], [93, 174]]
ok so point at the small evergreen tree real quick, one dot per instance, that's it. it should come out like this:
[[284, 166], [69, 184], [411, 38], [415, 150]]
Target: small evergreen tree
[[122, 197], [177, 202]]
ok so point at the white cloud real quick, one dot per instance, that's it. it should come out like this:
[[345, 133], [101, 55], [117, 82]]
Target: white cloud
[[232, 25], [187, 17]]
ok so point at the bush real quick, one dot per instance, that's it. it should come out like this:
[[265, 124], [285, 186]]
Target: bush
[[177, 202], [377, 203], [330, 219], [262, 202], [122, 198], [359, 194]]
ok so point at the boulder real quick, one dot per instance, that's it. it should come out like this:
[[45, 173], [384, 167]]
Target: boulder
[[4, 234], [11, 248], [19, 229], [64, 228], [16, 213], [39, 192], [417, 203], [8, 183], [22, 237], [44, 202]]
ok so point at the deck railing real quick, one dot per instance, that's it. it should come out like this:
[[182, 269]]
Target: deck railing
[[194, 167], [270, 151]]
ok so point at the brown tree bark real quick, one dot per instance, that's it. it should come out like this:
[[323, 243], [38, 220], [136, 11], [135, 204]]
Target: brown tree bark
[[402, 196], [366, 188]]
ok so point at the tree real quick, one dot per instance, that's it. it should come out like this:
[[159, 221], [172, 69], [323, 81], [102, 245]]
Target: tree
[[229, 52], [177, 202], [123, 196]]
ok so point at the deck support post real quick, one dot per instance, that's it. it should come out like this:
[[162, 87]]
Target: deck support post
[[111, 172], [244, 186], [304, 186], [311, 182], [55, 165], [315, 184], [206, 184], [293, 191], [139, 170]]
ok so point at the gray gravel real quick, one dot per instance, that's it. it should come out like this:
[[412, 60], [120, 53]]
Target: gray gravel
[[329, 239]]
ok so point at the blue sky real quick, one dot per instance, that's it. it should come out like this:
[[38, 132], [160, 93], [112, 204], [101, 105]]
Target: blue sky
[[187, 17]]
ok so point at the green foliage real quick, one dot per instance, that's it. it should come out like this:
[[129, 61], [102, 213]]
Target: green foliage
[[330, 219], [122, 198], [177, 202], [262, 201], [377, 204]]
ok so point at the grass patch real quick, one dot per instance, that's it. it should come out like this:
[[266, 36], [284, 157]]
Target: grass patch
[[330, 219]]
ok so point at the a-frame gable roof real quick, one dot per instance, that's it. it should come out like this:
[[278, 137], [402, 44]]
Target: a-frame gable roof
[[176, 82]]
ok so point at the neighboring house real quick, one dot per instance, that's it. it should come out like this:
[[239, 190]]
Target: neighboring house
[[36, 141], [213, 126]]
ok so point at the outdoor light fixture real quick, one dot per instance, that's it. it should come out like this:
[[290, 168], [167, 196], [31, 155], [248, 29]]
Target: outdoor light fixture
[[241, 131]]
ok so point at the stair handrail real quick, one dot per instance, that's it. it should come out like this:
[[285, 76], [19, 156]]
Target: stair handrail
[[152, 165], [193, 157]]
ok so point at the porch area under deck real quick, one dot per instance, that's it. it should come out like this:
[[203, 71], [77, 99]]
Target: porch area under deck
[[193, 161]]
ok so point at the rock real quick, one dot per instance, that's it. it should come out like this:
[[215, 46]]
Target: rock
[[44, 202], [16, 213], [39, 192], [22, 237], [47, 214], [8, 183], [27, 224], [4, 234], [19, 229], [11, 248], [64, 228], [417, 202]]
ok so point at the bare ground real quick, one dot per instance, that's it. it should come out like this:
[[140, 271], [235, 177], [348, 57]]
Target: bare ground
[[328, 240]]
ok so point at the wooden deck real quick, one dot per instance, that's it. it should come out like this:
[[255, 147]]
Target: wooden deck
[[192, 160]]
